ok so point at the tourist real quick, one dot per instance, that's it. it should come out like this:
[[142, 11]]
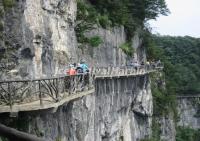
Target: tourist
[[148, 65], [71, 70], [84, 66], [79, 69]]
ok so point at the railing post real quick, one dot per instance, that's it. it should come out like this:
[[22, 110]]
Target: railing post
[[132, 71], [10, 96], [40, 93], [111, 71], [70, 85], [57, 88], [125, 71], [75, 84]]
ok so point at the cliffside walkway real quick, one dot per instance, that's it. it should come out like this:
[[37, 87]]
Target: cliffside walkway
[[38, 94]]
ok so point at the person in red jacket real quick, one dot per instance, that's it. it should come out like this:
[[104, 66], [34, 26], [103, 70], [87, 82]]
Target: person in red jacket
[[71, 70]]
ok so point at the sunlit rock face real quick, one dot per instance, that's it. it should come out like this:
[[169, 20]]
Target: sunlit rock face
[[52, 25], [189, 109], [41, 32], [109, 52], [43, 40]]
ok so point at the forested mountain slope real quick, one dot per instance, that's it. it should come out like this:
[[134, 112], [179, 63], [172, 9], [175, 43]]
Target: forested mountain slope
[[181, 56]]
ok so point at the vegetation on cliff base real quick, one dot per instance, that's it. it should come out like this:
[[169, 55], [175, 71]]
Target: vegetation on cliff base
[[95, 41], [187, 134], [180, 56], [8, 3], [162, 87]]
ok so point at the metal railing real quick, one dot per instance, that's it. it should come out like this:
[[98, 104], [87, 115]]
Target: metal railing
[[47, 89], [53, 90], [125, 71]]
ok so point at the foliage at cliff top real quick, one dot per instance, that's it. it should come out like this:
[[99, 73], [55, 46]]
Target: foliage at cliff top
[[130, 13], [181, 57], [108, 13], [8, 3]]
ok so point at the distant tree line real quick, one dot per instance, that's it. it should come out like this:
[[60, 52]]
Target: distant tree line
[[181, 56]]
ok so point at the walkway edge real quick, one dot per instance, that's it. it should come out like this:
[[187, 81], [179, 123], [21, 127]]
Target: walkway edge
[[33, 106]]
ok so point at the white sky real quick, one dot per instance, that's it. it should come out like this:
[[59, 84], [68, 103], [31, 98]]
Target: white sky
[[183, 20]]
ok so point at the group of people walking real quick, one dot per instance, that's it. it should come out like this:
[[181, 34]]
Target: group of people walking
[[82, 67], [79, 68]]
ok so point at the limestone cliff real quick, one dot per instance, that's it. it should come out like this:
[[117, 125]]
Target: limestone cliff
[[41, 35], [188, 109], [120, 109], [38, 39]]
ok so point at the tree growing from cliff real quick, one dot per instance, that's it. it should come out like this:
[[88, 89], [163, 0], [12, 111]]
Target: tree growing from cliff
[[86, 20], [109, 13], [130, 13]]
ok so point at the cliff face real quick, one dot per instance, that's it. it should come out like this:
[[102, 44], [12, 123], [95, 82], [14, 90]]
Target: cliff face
[[189, 109], [41, 35], [42, 38], [121, 109], [109, 53], [39, 40], [168, 128]]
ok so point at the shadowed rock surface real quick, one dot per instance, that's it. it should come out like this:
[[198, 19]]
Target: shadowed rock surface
[[120, 108], [189, 112]]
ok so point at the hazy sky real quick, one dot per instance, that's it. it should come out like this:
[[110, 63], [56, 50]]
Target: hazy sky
[[183, 20]]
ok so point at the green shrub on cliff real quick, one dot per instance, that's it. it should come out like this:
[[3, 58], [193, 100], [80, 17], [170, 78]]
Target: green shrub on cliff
[[8, 3], [187, 134], [1, 26], [3, 139], [127, 48], [104, 21], [95, 41], [87, 17]]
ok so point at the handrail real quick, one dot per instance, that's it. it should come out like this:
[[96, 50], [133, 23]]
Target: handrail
[[94, 71], [43, 78], [55, 89], [52, 89]]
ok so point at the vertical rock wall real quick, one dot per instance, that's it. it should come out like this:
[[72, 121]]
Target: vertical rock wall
[[168, 129], [189, 112], [42, 37], [42, 34], [121, 109], [109, 52]]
